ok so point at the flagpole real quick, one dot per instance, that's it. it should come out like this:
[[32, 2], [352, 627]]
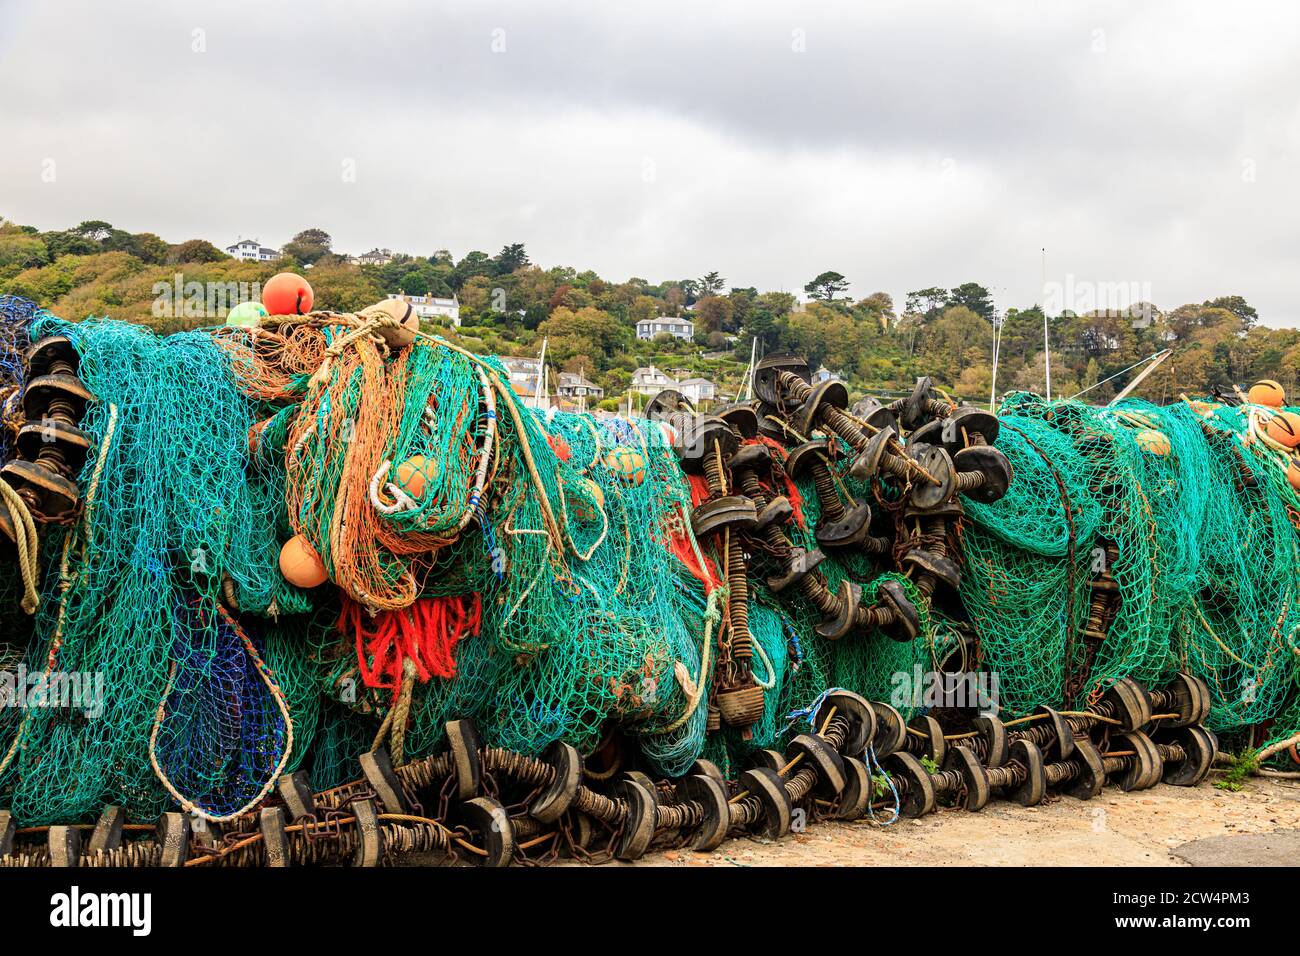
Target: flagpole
[[1047, 342], [997, 344], [541, 375]]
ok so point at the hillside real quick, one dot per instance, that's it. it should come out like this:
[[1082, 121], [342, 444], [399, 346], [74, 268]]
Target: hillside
[[508, 304]]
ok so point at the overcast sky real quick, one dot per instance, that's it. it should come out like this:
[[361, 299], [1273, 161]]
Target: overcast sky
[[904, 145]]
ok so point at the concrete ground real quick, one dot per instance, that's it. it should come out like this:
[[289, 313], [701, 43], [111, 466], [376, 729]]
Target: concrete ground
[[1164, 826]]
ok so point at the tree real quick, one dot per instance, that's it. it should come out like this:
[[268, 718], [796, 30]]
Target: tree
[[19, 250], [927, 303], [415, 283], [571, 297], [618, 299], [476, 294], [711, 284], [825, 335], [827, 286], [510, 258], [195, 250], [880, 305], [674, 299], [586, 332], [767, 320], [149, 248], [68, 244], [714, 313], [344, 286], [308, 246], [533, 289], [975, 297], [742, 300], [1238, 306], [96, 230], [475, 263], [960, 337], [642, 309]]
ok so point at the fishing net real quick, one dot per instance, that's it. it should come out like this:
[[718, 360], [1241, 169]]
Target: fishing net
[[577, 609], [131, 598], [538, 573], [15, 318], [1135, 541]]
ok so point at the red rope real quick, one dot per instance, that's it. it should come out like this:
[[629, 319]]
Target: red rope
[[426, 633], [707, 574], [791, 489]]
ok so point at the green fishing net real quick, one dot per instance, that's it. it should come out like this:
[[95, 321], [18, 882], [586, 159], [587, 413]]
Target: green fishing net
[[594, 619], [1195, 530]]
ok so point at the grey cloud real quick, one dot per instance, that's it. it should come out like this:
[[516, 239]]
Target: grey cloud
[[910, 144]]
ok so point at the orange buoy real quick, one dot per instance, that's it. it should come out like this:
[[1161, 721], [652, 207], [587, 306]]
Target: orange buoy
[[1284, 428], [627, 464], [415, 474], [287, 294], [1266, 392], [580, 505], [1293, 475], [1153, 441], [300, 564]]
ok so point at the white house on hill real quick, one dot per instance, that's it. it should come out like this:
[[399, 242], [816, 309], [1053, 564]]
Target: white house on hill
[[524, 375], [250, 250], [677, 327], [429, 307], [649, 380], [375, 257], [576, 387], [698, 390]]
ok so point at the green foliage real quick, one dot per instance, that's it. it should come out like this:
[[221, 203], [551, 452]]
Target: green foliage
[[1238, 306], [713, 313], [1240, 766], [927, 302], [309, 246], [20, 250], [880, 785], [195, 250], [511, 258], [827, 286], [941, 332], [588, 331], [973, 296]]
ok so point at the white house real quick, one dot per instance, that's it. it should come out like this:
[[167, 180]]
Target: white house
[[429, 307], [524, 374], [677, 327], [698, 390], [375, 257], [649, 380], [250, 250], [576, 387]]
